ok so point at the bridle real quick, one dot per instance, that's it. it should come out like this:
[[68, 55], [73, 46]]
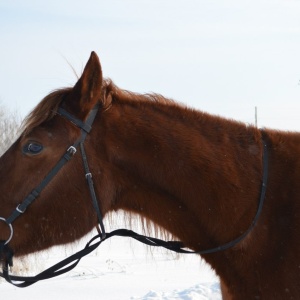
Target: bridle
[[66, 265], [85, 129]]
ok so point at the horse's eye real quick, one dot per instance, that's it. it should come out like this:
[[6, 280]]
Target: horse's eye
[[33, 148]]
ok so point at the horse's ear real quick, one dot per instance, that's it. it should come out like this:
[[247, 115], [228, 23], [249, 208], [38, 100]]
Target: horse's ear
[[87, 91]]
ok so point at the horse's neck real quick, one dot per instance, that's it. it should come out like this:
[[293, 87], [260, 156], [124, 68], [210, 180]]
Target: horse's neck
[[199, 177], [184, 170]]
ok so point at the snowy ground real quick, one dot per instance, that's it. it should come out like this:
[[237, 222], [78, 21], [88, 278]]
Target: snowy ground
[[121, 268]]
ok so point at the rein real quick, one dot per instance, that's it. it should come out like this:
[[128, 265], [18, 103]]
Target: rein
[[69, 263]]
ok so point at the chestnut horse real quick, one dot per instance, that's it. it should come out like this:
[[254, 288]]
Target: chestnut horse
[[193, 175]]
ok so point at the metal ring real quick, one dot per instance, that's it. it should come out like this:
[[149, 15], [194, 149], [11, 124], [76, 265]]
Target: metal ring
[[11, 230]]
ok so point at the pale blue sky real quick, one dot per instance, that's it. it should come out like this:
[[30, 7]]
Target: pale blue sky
[[223, 57]]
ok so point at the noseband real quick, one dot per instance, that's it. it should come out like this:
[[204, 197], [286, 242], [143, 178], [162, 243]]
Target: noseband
[[71, 262]]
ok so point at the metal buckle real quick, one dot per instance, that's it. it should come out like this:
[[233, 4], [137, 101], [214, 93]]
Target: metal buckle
[[20, 210], [11, 230], [88, 175], [72, 150]]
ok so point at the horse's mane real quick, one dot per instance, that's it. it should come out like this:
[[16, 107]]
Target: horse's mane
[[48, 106], [132, 97], [45, 110]]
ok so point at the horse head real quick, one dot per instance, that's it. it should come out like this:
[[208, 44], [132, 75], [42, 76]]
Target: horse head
[[58, 215]]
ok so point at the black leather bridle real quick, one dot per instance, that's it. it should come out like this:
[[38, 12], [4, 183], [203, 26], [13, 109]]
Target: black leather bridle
[[71, 262]]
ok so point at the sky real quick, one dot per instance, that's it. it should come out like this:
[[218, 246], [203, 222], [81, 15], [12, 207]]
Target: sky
[[222, 57]]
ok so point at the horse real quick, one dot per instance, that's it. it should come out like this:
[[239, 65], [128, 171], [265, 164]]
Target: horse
[[194, 175]]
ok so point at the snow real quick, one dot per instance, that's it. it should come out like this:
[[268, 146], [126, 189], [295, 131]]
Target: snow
[[120, 268]]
